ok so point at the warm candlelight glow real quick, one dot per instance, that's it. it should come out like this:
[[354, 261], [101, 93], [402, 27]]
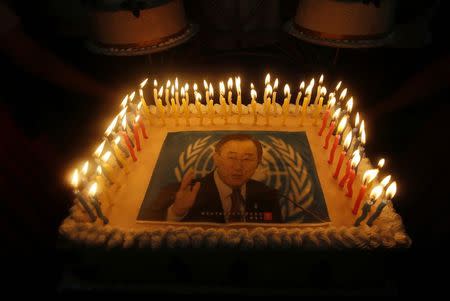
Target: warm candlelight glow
[[253, 94], [172, 91], [357, 120], [381, 163], [376, 192], [391, 191], [363, 137], [139, 106], [155, 83], [385, 181], [230, 83], [349, 105], [275, 85], [336, 114], [355, 160], [269, 89], [117, 140], [93, 189], [287, 90], [137, 118], [124, 102], [160, 92], [195, 87], [323, 91], [309, 89], [111, 126], [122, 112], [321, 79], [252, 86], [198, 97], [348, 140], [144, 82], [369, 176], [222, 88], [331, 103], [75, 178], [205, 84], [132, 95], [238, 84], [182, 92], [168, 84], [176, 83], [99, 149], [85, 168], [343, 94], [302, 85], [342, 125], [211, 90], [124, 123], [311, 84], [338, 86], [106, 156], [267, 80], [186, 87]]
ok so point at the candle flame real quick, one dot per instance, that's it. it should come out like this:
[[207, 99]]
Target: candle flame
[[336, 114], [155, 83], [139, 106], [172, 91], [343, 94], [168, 84], [198, 96], [253, 94], [99, 149], [144, 82], [74, 180], [357, 120], [238, 84], [321, 79], [221, 88], [124, 123], [132, 95], [186, 87], [182, 92], [369, 176], [117, 140], [332, 102], [141, 93], [195, 87], [176, 83], [112, 126], [348, 140], [381, 163], [205, 84], [349, 105], [342, 125], [85, 168], [312, 83], [269, 89], [309, 90], [355, 160], [363, 137], [287, 90], [230, 83], [99, 169], [211, 90], [136, 119], [160, 92], [124, 102], [106, 156], [376, 192], [323, 91], [391, 191], [338, 86], [385, 181], [122, 112], [267, 80], [362, 127], [275, 85], [302, 85], [252, 86], [93, 189]]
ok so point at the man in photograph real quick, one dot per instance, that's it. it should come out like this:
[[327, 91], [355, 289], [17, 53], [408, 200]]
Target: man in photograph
[[227, 194]]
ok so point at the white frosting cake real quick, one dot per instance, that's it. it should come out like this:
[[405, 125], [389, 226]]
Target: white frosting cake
[[121, 201]]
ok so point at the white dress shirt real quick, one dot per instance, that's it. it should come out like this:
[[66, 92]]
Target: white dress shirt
[[225, 192]]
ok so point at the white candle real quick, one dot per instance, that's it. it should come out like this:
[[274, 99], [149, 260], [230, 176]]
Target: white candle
[[222, 101], [274, 96], [168, 84], [185, 107], [239, 99], [177, 100], [319, 89], [230, 93], [266, 82], [210, 102], [286, 102], [160, 106], [205, 85], [254, 103], [186, 90], [174, 105], [299, 96], [323, 92], [155, 91]]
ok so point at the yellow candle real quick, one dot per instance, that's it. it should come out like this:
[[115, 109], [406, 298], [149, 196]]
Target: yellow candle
[[161, 109], [274, 96], [177, 100], [144, 103], [198, 105], [286, 102], [239, 99], [267, 110], [254, 104], [299, 96], [185, 107], [230, 93], [318, 92], [155, 91], [266, 82], [168, 84], [305, 104], [174, 105], [268, 94], [323, 91], [210, 102], [222, 101], [186, 90], [205, 85]]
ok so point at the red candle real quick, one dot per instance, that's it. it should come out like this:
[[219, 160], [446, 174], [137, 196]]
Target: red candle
[[144, 132], [330, 131], [128, 143], [136, 137], [333, 149], [339, 165], [345, 177], [351, 179], [362, 192], [324, 121]]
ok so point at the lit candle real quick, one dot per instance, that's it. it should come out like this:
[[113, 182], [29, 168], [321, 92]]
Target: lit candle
[[102, 173], [329, 107], [223, 102], [299, 96], [338, 86], [122, 114], [93, 194], [105, 165], [306, 100], [368, 177], [120, 149], [254, 103], [84, 174], [337, 138], [141, 94], [109, 135], [390, 193], [239, 98], [374, 195], [286, 103], [136, 134], [185, 107], [126, 138], [274, 97], [141, 123], [155, 91], [174, 105], [322, 93], [266, 83], [230, 93], [331, 127], [342, 95], [361, 137], [198, 105], [80, 197], [168, 84], [356, 157], [177, 99], [210, 103], [186, 90], [205, 85], [347, 141], [351, 177], [319, 90], [267, 102], [160, 106], [355, 128]]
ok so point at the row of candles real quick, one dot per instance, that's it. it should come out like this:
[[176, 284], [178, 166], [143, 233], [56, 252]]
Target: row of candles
[[122, 136]]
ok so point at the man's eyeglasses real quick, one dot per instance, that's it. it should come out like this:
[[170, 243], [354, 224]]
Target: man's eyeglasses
[[246, 161]]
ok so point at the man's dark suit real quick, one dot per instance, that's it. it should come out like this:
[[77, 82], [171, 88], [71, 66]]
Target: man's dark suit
[[261, 203]]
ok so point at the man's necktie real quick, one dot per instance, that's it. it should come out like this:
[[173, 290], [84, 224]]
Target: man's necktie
[[237, 201]]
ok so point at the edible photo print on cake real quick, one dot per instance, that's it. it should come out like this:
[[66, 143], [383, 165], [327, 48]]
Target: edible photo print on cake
[[234, 177]]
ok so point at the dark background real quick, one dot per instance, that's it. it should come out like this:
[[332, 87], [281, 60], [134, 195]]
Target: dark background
[[62, 123]]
